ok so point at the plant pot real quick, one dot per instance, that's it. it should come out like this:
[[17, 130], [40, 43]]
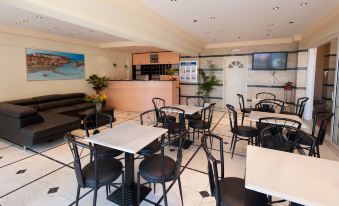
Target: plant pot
[[288, 87], [98, 107]]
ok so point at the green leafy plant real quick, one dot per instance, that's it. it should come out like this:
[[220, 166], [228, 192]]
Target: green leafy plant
[[98, 83], [170, 71], [208, 81]]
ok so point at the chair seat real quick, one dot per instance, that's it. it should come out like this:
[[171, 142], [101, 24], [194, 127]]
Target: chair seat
[[150, 168], [234, 193], [198, 124], [107, 152], [290, 113], [273, 143], [109, 169], [246, 131], [150, 149], [246, 110], [302, 137], [195, 116]]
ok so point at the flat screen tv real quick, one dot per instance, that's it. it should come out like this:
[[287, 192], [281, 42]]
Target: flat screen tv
[[269, 61]]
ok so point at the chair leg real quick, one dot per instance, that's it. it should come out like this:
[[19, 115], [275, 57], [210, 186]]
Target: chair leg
[[234, 143], [318, 151], [106, 190], [154, 188], [95, 196], [138, 188], [242, 119], [180, 190], [77, 197], [193, 134], [164, 193], [123, 187]]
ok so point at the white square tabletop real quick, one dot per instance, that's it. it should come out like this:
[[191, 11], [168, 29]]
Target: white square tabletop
[[255, 116], [293, 177], [188, 108], [129, 137]]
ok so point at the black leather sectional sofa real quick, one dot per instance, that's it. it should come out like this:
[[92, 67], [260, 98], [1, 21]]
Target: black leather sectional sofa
[[33, 120]]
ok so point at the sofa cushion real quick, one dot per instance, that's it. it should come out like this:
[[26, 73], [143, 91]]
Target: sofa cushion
[[53, 124], [59, 103], [30, 102], [63, 110], [17, 111], [73, 95], [48, 98], [84, 106]]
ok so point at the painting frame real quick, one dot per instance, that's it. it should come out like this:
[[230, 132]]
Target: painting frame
[[50, 65]]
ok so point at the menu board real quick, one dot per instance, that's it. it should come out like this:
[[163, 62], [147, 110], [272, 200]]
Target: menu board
[[188, 71]]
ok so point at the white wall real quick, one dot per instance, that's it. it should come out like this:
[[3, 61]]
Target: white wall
[[13, 74]]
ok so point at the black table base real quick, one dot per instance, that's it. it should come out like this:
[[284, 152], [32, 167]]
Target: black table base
[[130, 195]]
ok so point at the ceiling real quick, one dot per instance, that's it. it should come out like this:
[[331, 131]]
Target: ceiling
[[224, 21], [15, 17], [138, 49]]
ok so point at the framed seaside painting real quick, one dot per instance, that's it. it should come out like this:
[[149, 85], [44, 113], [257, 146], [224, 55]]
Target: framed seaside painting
[[53, 65]]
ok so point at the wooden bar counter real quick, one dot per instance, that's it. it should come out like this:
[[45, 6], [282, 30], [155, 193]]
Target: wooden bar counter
[[136, 96]]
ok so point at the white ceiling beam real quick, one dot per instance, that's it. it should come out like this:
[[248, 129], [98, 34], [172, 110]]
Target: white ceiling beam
[[127, 19]]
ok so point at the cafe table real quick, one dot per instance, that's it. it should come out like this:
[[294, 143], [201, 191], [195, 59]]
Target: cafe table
[[188, 108], [297, 178], [256, 115], [129, 137]]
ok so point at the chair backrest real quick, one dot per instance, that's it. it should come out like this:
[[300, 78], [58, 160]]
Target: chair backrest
[[233, 116], [75, 147], [96, 120], [241, 102], [301, 103], [158, 103], [196, 101], [271, 105], [275, 133], [173, 117], [265, 95], [325, 119], [207, 114], [149, 117], [213, 162], [179, 143]]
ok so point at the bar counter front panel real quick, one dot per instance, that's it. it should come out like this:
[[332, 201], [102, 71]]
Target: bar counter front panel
[[136, 96]]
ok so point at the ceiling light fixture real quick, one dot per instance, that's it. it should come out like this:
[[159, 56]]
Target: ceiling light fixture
[[24, 21], [291, 22], [238, 37], [195, 21], [212, 17], [276, 8], [17, 23], [38, 17], [304, 4]]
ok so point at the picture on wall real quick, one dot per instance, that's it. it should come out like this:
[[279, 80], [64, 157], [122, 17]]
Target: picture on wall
[[53, 65]]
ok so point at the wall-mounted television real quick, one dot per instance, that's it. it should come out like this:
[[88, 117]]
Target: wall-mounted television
[[269, 61]]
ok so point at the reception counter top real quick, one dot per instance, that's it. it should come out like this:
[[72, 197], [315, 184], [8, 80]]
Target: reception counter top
[[136, 95]]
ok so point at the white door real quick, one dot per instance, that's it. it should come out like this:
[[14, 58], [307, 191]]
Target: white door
[[235, 79]]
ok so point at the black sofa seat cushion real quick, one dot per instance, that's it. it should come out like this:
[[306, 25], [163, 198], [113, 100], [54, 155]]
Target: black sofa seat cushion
[[17, 111], [63, 110], [59, 103], [53, 124], [84, 106]]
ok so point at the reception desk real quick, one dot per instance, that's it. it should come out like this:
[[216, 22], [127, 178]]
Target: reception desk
[[136, 96]]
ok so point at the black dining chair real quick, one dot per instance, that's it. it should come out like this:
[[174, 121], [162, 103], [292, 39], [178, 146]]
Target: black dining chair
[[243, 109], [202, 125], [92, 125], [227, 190], [312, 142], [197, 101], [239, 133], [275, 133], [270, 105], [158, 103], [149, 118], [101, 171], [300, 107], [173, 120], [160, 168], [265, 95]]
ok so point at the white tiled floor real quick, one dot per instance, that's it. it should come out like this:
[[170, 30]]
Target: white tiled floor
[[49, 165]]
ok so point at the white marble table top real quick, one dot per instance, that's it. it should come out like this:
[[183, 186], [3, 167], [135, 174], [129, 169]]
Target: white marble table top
[[128, 137], [293, 177], [255, 116], [188, 109]]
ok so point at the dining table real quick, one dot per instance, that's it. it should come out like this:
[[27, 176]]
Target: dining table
[[297, 178], [129, 137]]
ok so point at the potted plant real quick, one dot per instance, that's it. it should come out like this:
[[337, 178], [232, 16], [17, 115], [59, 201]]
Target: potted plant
[[98, 83], [208, 81], [170, 72], [97, 99], [288, 85]]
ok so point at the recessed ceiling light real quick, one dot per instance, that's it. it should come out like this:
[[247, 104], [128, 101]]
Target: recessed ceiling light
[[238, 37], [195, 21], [24, 21], [291, 22], [17, 23], [304, 4], [212, 18], [276, 8], [38, 17]]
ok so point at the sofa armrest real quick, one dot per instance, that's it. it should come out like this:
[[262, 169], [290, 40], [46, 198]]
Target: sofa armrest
[[16, 111]]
